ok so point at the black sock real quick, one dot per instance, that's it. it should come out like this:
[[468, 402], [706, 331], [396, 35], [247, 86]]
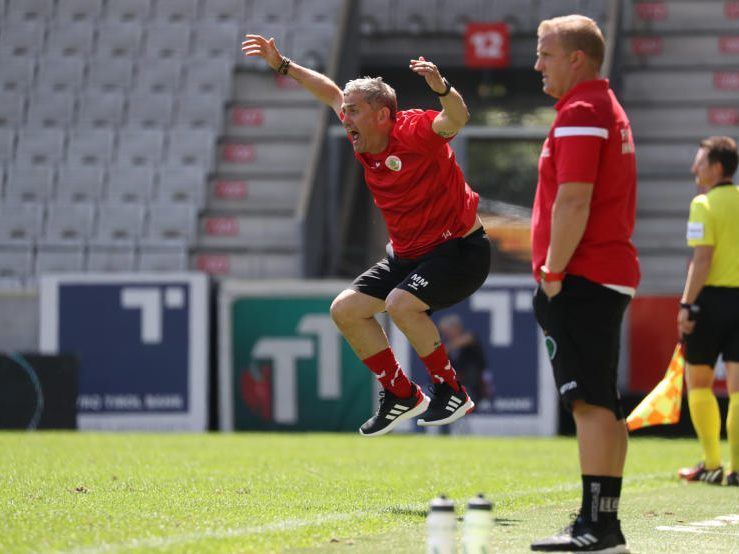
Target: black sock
[[600, 497]]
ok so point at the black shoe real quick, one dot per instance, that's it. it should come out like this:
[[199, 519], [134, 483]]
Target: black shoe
[[447, 405], [732, 479], [700, 473], [585, 537], [393, 410]]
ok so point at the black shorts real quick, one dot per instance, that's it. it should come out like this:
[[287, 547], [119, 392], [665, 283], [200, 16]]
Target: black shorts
[[582, 328], [445, 276], [716, 327]]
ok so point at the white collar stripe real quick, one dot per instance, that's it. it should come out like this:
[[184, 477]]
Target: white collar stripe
[[580, 132]]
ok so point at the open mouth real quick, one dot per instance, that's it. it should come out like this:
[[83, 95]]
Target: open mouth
[[353, 136]]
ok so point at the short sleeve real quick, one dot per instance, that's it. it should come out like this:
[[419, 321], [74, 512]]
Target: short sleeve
[[700, 231], [416, 127], [579, 135]]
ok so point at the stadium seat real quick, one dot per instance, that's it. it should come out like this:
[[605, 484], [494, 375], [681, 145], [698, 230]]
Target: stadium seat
[[554, 8], [179, 184], [7, 144], [224, 10], [118, 225], [130, 185], [111, 259], [176, 10], [16, 74], [29, 184], [326, 11], [519, 14], [374, 17], [40, 146], [22, 38], [90, 147], [60, 74], [275, 10], [314, 42], [454, 15], [79, 184], [12, 109], [140, 147], [68, 224], [51, 109], [30, 10], [156, 75], [167, 40], [20, 224], [70, 39], [118, 39], [191, 147], [130, 10], [203, 111], [79, 10], [170, 225], [149, 111], [60, 260], [16, 263], [217, 40], [212, 77], [163, 259], [110, 74], [100, 109]]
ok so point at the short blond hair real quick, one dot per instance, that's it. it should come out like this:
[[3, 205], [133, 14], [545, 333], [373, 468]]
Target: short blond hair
[[577, 32], [376, 92]]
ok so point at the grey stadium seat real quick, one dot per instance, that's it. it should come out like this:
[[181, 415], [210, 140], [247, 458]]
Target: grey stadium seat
[[70, 39], [170, 225], [113, 259], [149, 111], [217, 40], [374, 17], [191, 147], [33, 10], [7, 144], [119, 225], [128, 184], [16, 263], [90, 147], [16, 74], [100, 109], [181, 184], [110, 74], [29, 184], [51, 109], [119, 39], [167, 40], [12, 109], [79, 184], [68, 224], [22, 38], [457, 14], [176, 10], [163, 259], [79, 10], [60, 260], [212, 77], [60, 74], [156, 75], [128, 10], [326, 11], [140, 147], [20, 224], [40, 146], [224, 10], [199, 111], [274, 10], [314, 43]]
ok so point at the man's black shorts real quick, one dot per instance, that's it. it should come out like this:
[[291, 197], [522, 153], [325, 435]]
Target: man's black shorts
[[716, 327], [443, 277], [582, 328]]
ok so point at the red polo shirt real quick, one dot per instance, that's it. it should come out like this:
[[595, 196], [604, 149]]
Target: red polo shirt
[[419, 187], [590, 142]]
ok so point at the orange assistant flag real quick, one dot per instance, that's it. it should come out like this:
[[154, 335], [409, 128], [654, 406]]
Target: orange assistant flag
[[662, 405]]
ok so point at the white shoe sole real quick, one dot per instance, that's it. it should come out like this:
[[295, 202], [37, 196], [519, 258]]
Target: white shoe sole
[[417, 410], [459, 413]]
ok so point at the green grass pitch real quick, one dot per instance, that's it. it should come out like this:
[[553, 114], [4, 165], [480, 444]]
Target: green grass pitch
[[89, 493]]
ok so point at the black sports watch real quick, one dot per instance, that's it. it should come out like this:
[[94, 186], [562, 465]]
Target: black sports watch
[[447, 88]]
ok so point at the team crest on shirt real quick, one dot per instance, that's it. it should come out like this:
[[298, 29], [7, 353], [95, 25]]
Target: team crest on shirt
[[393, 163]]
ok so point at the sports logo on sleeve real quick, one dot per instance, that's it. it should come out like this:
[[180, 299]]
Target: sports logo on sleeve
[[393, 163], [695, 231]]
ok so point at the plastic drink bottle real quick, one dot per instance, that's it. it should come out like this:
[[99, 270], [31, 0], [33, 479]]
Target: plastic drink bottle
[[477, 526], [441, 527]]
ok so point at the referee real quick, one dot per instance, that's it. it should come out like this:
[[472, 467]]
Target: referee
[[708, 317]]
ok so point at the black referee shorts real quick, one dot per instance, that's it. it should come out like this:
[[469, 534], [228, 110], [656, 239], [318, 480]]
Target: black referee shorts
[[443, 277], [716, 327], [582, 328]]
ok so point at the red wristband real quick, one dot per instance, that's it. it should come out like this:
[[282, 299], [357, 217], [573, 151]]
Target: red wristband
[[549, 276]]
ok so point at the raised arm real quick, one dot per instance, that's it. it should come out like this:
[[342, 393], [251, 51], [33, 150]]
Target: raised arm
[[454, 114], [320, 86]]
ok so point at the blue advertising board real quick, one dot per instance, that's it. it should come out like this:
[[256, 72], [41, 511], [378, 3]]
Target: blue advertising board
[[141, 341], [514, 385]]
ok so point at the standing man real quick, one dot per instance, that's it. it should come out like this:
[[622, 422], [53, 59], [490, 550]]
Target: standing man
[[586, 265], [439, 253], [708, 317]]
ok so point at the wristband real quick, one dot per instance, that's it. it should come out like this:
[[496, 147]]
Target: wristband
[[693, 310], [447, 88], [549, 276], [284, 66]]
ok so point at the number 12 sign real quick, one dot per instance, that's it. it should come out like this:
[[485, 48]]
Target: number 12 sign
[[487, 45]]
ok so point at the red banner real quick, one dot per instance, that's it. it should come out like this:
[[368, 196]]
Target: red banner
[[487, 45]]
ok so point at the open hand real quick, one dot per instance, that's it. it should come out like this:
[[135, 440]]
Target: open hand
[[430, 72], [257, 45]]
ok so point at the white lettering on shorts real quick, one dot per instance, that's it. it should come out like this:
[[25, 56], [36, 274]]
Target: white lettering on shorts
[[417, 281]]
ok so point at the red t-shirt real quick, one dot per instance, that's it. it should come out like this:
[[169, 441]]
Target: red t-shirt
[[419, 187], [590, 142]]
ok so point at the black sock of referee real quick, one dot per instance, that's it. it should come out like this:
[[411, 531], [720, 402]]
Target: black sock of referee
[[600, 497]]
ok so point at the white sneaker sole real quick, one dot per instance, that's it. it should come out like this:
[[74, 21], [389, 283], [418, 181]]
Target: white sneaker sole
[[417, 410], [459, 413]]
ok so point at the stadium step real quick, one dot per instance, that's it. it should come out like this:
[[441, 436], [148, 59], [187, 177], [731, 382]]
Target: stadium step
[[240, 231], [665, 196], [681, 86], [661, 233], [682, 50], [263, 156], [677, 15], [268, 87], [666, 159], [257, 194], [275, 121], [654, 122], [247, 265]]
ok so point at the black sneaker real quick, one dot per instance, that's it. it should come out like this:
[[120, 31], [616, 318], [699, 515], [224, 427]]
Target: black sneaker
[[584, 537], [393, 410], [732, 479], [700, 473], [447, 405]]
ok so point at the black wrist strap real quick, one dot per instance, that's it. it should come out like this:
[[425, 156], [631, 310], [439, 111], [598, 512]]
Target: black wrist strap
[[284, 66], [447, 88]]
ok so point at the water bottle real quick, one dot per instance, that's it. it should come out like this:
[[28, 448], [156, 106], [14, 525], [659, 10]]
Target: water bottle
[[441, 527], [477, 526]]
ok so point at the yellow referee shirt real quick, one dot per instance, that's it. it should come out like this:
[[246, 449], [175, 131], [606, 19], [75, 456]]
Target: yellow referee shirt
[[714, 221]]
